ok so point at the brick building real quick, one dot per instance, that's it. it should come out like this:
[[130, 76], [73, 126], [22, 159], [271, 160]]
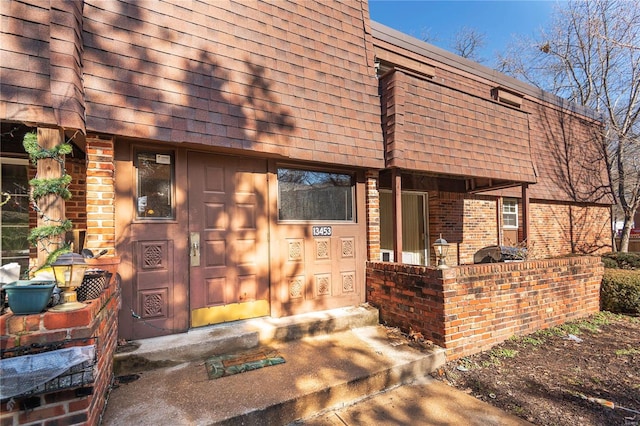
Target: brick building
[[245, 159]]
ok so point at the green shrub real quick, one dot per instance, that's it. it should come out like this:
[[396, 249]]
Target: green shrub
[[620, 291], [622, 260], [609, 263]]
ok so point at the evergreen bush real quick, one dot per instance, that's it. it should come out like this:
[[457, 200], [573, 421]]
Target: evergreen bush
[[622, 260], [620, 291]]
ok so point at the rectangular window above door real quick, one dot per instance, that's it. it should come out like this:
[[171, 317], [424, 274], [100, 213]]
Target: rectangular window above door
[[312, 195], [155, 187]]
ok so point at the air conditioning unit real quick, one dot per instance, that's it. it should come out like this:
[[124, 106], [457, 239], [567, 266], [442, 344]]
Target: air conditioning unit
[[386, 255]]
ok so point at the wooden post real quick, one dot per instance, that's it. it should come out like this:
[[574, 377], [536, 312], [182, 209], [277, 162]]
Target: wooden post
[[51, 206]]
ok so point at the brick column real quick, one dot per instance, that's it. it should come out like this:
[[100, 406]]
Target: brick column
[[373, 216], [101, 233]]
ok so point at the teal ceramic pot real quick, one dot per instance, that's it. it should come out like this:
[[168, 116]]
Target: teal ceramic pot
[[28, 297]]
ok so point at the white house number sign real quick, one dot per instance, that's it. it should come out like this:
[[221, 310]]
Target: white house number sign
[[321, 231]]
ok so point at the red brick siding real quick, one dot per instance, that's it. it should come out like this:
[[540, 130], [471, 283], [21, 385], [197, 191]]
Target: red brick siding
[[408, 297], [373, 216], [471, 308], [289, 78], [100, 195], [470, 222], [561, 228], [480, 226], [98, 319], [467, 222], [75, 208]]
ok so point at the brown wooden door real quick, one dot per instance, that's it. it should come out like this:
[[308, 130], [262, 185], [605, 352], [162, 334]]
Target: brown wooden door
[[152, 244], [228, 223], [317, 272]]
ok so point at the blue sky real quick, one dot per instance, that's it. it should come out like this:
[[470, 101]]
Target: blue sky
[[498, 20]]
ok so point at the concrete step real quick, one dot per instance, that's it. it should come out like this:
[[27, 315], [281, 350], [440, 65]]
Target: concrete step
[[157, 352], [322, 372]]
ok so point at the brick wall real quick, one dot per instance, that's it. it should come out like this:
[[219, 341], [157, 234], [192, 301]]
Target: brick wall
[[557, 228], [470, 222], [373, 216], [470, 308], [96, 322], [75, 208], [101, 232], [467, 222]]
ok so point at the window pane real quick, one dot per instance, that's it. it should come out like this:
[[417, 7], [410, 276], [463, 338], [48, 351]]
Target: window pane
[[510, 220], [155, 186], [312, 195], [14, 241], [510, 213], [14, 213]]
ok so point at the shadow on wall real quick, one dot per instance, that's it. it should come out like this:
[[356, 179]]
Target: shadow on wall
[[145, 80], [573, 151]]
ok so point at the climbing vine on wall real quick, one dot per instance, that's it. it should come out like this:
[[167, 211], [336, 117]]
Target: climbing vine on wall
[[41, 237]]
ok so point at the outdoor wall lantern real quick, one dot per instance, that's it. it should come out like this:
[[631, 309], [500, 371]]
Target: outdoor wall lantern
[[69, 271], [441, 248]]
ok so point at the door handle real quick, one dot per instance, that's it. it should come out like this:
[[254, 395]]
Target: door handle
[[194, 254]]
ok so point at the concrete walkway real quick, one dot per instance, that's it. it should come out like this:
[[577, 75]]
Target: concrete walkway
[[424, 402], [336, 375]]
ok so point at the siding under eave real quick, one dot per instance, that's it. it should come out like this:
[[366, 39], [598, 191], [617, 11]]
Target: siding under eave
[[285, 78], [435, 129], [41, 63], [562, 158]]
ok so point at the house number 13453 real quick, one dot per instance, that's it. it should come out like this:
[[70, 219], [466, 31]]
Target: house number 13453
[[321, 231]]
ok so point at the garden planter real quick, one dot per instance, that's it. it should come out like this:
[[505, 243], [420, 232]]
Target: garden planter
[[93, 283], [29, 297]]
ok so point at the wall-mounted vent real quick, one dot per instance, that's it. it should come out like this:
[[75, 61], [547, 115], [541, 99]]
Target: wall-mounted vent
[[508, 97]]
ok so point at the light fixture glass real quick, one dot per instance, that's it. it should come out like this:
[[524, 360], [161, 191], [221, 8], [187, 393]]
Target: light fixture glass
[[441, 249], [69, 271]]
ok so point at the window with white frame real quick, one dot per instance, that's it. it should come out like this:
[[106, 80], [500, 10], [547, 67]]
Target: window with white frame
[[510, 213]]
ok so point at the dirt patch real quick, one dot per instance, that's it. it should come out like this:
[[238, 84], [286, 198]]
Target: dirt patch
[[568, 375]]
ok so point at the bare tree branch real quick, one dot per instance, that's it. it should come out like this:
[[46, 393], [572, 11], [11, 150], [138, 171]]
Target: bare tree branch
[[590, 55], [467, 42]]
